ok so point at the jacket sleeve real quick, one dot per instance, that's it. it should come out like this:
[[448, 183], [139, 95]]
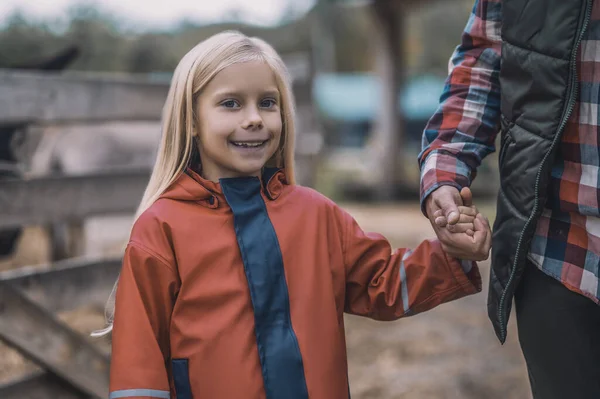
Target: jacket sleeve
[[144, 302], [386, 285], [462, 131]]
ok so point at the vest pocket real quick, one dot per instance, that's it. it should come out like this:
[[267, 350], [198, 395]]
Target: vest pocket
[[181, 378]]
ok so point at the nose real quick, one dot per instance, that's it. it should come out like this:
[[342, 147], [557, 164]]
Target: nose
[[253, 118]]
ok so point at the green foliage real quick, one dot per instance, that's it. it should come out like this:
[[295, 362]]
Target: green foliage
[[23, 41], [105, 43]]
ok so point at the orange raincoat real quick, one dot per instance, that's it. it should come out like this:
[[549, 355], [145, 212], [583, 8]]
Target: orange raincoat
[[237, 289]]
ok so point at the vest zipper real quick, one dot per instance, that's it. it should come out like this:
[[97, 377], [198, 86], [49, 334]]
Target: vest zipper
[[573, 90]]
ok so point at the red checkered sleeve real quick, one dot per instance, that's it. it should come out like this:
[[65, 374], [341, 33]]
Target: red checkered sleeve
[[463, 129]]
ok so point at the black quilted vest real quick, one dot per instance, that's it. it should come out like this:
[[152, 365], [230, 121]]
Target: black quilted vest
[[538, 81]]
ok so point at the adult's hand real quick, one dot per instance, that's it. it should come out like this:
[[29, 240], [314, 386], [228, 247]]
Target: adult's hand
[[461, 235], [442, 205]]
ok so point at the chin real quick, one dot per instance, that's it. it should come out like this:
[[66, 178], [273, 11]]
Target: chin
[[249, 167]]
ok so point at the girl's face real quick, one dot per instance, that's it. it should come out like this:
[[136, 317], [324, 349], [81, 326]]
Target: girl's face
[[239, 121]]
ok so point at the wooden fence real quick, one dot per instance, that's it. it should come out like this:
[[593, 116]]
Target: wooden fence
[[32, 296]]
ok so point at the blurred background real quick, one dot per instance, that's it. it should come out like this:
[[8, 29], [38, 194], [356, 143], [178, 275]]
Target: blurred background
[[82, 86]]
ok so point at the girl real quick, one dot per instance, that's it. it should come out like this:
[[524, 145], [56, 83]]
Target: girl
[[235, 280]]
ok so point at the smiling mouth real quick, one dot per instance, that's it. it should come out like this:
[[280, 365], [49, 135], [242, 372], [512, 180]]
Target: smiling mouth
[[249, 144]]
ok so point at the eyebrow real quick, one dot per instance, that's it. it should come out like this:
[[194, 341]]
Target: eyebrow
[[274, 93], [233, 93]]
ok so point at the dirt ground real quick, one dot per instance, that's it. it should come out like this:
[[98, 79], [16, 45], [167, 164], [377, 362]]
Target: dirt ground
[[450, 352]]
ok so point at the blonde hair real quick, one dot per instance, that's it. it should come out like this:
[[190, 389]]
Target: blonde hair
[[192, 74]]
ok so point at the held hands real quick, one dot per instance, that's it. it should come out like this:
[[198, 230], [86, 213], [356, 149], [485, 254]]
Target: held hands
[[463, 232]]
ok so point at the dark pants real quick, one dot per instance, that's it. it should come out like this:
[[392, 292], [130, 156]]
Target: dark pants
[[559, 332]]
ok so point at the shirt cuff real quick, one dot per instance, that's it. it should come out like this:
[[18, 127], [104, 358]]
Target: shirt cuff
[[440, 169]]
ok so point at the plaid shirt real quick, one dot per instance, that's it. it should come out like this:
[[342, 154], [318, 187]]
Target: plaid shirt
[[462, 132]]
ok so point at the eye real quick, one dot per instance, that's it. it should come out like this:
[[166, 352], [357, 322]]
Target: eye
[[230, 104], [268, 103]]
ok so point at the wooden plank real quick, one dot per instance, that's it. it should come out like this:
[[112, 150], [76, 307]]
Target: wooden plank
[[51, 97], [52, 199], [68, 285], [62, 286], [51, 344], [39, 385], [45, 97]]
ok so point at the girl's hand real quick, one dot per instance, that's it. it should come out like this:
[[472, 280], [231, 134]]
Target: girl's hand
[[465, 222]]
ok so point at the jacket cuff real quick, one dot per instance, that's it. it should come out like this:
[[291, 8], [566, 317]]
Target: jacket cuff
[[466, 273]]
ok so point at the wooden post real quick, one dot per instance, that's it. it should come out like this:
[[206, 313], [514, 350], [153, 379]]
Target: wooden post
[[67, 240], [389, 126], [59, 241], [8, 169]]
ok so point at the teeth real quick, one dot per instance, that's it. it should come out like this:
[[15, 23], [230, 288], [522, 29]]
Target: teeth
[[248, 144]]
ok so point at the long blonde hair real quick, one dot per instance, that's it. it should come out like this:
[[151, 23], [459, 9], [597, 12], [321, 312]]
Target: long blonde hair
[[192, 74]]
